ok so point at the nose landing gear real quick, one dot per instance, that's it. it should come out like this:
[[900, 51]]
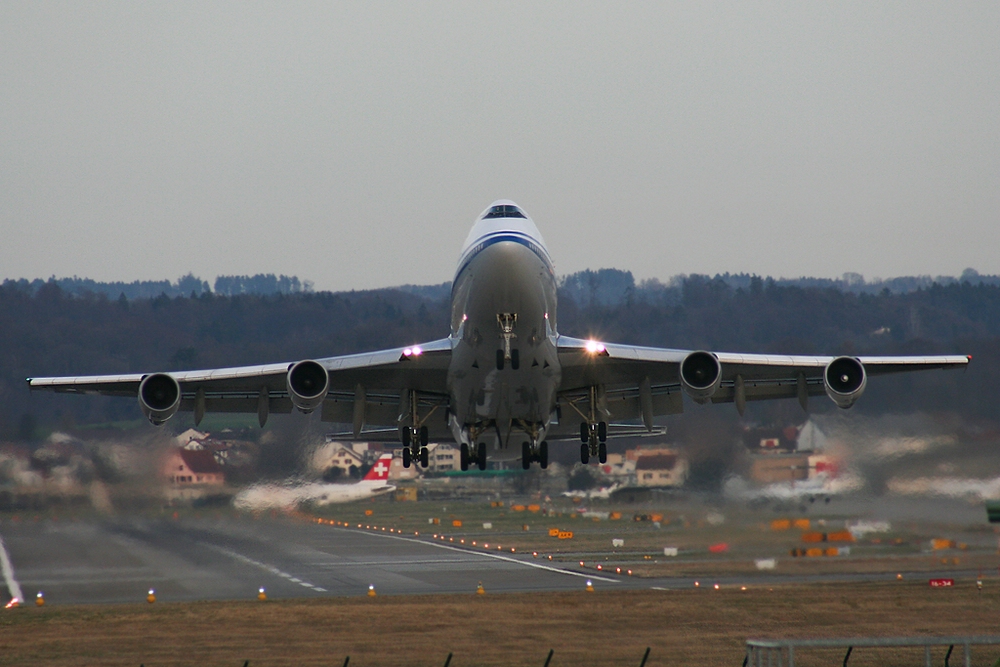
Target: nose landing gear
[[538, 453]]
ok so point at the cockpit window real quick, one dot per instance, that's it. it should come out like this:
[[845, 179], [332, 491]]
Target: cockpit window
[[504, 211]]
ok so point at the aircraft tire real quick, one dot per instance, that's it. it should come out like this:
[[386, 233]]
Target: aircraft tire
[[406, 437], [515, 359], [425, 456], [602, 431], [525, 455], [543, 454], [481, 456], [500, 360], [602, 453], [585, 453], [406, 457], [464, 457], [584, 432], [423, 436]]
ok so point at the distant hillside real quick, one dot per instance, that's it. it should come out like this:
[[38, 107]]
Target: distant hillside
[[46, 329]]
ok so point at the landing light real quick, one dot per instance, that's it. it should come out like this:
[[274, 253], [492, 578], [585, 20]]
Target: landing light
[[594, 347], [411, 352]]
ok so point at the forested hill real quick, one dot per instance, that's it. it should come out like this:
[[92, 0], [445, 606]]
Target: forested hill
[[46, 330]]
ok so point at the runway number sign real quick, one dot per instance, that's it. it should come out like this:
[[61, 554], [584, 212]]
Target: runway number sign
[[941, 583]]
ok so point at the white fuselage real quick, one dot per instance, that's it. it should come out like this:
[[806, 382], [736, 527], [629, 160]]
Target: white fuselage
[[504, 371]]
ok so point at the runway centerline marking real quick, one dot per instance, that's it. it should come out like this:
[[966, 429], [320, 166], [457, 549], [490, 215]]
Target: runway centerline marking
[[263, 566], [13, 587], [487, 554]]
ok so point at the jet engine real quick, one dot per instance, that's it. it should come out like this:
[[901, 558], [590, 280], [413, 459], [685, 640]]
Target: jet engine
[[700, 375], [844, 380], [159, 397], [308, 383]]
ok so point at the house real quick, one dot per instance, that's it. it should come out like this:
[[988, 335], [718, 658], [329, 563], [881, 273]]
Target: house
[[443, 457], [338, 455], [186, 467], [663, 469]]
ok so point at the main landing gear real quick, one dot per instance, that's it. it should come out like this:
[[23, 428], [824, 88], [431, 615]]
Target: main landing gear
[[539, 453], [594, 439], [415, 446], [467, 458]]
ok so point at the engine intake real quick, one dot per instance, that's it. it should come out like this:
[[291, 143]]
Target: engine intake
[[159, 397], [308, 383], [700, 375], [844, 380]]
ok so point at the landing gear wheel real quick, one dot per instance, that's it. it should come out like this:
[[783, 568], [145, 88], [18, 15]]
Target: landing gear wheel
[[464, 457], [584, 432], [525, 455], [423, 436], [424, 457], [515, 359], [406, 457], [602, 431], [585, 453], [406, 437], [602, 453], [500, 360], [543, 455], [481, 456]]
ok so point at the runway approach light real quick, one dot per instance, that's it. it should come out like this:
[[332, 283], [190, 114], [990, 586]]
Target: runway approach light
[[590, 586], [40, 599], [371, 590], [261, 595], [480, 590], [899, 577], [151, 596], [716, 587]]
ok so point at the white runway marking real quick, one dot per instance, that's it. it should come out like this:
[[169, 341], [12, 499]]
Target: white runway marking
[[13, 587], [526, 563], [263, 566]]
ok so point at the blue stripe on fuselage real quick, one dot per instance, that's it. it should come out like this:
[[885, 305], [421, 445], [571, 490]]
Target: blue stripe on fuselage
[[498, 237]]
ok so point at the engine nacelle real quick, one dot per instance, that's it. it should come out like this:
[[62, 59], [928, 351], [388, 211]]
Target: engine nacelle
[[701, 373], [844, 380], [159, 397], [308, 383]]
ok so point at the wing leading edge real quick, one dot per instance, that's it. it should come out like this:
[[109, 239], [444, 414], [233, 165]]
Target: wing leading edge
[[632, 382], [361, 388]]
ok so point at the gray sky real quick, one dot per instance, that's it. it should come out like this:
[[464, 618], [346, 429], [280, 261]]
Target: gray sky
[[353, 144]]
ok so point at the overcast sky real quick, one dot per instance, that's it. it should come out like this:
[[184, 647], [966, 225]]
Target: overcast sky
[[353, 144]]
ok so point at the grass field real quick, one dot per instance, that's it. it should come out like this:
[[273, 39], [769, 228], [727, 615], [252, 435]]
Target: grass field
[[694, 627]]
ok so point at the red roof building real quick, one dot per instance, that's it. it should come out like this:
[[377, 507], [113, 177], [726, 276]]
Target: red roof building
[[192, 466]]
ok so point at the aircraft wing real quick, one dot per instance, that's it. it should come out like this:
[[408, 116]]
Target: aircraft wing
[[632, 382], [361, 388]]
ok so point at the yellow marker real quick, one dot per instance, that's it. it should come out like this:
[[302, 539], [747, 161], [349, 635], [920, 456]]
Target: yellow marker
[[371, 590], [480, 590], [590, 586], [40, 599], [151, 596], [261, 595]]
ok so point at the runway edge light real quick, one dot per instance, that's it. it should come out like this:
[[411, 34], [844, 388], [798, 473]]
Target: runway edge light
[[261, 594], [151, 596], [40, 599], [371, 590], [590, 586], [480, 590]]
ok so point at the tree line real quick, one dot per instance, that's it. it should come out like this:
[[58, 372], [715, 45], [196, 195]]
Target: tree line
[[48, 330]]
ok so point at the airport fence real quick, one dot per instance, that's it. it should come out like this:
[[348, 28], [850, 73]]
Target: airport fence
[[782, 652], [447, 661]]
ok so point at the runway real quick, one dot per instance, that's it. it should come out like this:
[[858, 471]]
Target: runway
[[229, 556], [110, 561]]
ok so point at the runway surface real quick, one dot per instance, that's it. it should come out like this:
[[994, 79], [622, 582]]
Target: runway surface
[[200, 559], [229, 557]]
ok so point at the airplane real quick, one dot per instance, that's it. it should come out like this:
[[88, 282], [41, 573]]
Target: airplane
[[504, 374], [276, 496]]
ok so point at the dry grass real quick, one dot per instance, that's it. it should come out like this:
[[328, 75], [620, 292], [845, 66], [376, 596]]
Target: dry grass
[[696, 627]]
